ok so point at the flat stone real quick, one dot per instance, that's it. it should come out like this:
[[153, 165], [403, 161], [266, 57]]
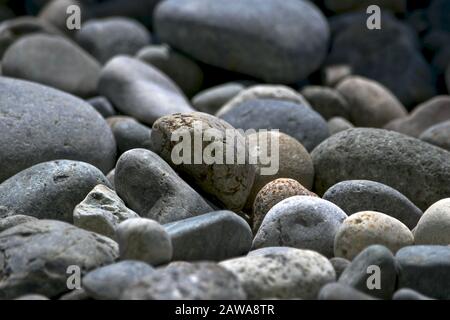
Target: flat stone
[[139, 90], [301, 222], [53, 189], [36, 257], [282, 273], [434, 226], [150, 187], [102, 211], [367, 228]]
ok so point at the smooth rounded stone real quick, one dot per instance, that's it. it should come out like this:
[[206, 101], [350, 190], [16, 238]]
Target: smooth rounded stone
[[103, 106], [12, 221], [130, 134], [358, 274], [39, 124], [108, 283], [338, 124], [33, 297], [36, 256], [212, 99], [13, 29], [55, 13], [301, 222], [367, 228], [403, 69], [282, 273], [423, 117], [399, 6], [144, 240], [49, 190], [409, 294], [327, 102], [434, 226], [139, 90], [228, 183], [334, 74], [438, 135], [370, 104], [288, 159], [273, 193], [425, 269], [361, 195], [53, 61], [260, 51], [186, 281], [417, 169], [110, 37], [214, 236], [263, 91], [111, 177], [101, 212], [297, 120], [149, 186], [185, 72], [338, 291], [339, 265]]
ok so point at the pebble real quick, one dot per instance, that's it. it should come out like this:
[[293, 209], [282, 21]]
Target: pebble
[[39, 124], [301, 222], [438, 135], [213, 99], [290, 158], [103, 106], [359, 274], [338, 291], [328, 102], [367, 228], [261, 51], [185, 72], [423, 117], [144, 240], [187, 281], [409, 294], [425, 269], [109, 37], [40, 252], [130, 134], [362, 195], [263, 91], [101, 212], [139, 90], [339, 265], [12, 221], [108, 283], [370, 104], [417, 169], [53, 189], [434, 226], [54, 12], [338, 124], [214, 236], [150, 187], [273, 193], [296, 120], [230, 184], [283, 273], [53, 61]]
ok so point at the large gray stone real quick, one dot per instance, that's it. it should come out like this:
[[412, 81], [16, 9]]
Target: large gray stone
[[39, 124], [53, 61], [49, 190], [417, 169], [213, 236], [362, 195], [36, 256], [139, 90], [149, 186], [301, 222], [235, 35]]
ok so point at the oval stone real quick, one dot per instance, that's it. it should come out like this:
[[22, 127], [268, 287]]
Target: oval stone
[[434, 226]]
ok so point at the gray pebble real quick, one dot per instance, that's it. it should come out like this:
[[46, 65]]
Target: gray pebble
[[339, 265], [130, 134], [337, 124], [338, 291], [409, 294], [103, 106], [328, 102], [211, 100], [438, 135]]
